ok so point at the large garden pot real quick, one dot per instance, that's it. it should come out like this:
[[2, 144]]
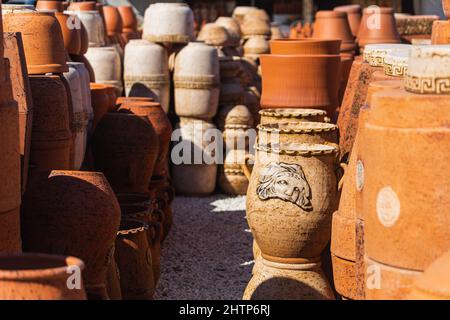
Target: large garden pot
[[162, 191], [305, 46], [378, 26], [66, 212], [114, 24], [71, 31], [334, 25], [354, 16]]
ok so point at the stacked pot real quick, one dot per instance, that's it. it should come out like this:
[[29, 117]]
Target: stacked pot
[[293, 185], [441, 29], [415, 29]]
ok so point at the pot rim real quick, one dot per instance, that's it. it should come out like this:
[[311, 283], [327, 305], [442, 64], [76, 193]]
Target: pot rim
[[297, 127], [299, 149], [300, 56], [306, 40], [292, 112]]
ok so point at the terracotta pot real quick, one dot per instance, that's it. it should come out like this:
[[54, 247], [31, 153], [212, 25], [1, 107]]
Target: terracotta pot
[[214, 35], [441, 32], [106, 63], [446, 5], [113, 281], [232, 179], [59, 207], [392, 213], [239, 12], [71, 36], [39, 277], [252, 103], [190, 177], [134, 260], [255, 46], [94, 25], [234, 115], [10, 191], [434, 283], [129, 20], [254, 26], [82, 59], [233, 28], [162, 191], [354, 15], [125, 149], [196, 81], [334, 25], [146, 71], [169, 23], [84, 39], [346, 67], [231, 92], [51, 136], [277, 281], [160, 123], [83, 6], [274, 116], [344, 277], [427, 72], [49, 5], [101, 102], [415, 25], [305, 46], [378, 26], [113, 20], [125, 100], [286, 81], [42, 40]]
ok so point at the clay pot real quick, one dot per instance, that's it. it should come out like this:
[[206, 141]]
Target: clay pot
[[134, 261], [51, 135], [375, 54], [113, 281], [254, 26], [169, 23], [129, 20], [446, 6], [354, 15], [234, 115], [305, 46], [161, 189], [85, 92], [334, 25], [196, 81], [82, 59], [214, 35], [59, 207], [306, 203], [344, 277], [255, 46], [71, 36], [231, 92], [378, 26], [274, 116], [427, 72], [10, 191], [233, 28], [194, 177], [434, 283], [42, 40], [107, 67], [277, 281], [419, 25], [240, 12], [125, 149], [49, 6], [146, 71], [392, 213], [232, 179], [84, 39], [396, 64], [39, 277], [113, 23], [83, 6], [101, 102], [93, 23], [287, 81], [161, 124], [441, 32], [125, 100]]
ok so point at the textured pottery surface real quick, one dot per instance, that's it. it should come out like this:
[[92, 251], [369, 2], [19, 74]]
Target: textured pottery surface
[[146, 71], [134, 261], [214, 35], [129, 20], [163, 193], [415, 25], [233, 29], [375, 54], [232, 179], [254, 26], [113, 281], [125, 149], [101, 102], [59, 207], [38, 277], [255, 46], [396, 64], [49, 5], [169, 22], [441, 32], [446, 6], [305, 46], [378, 26], [276, 281], [196, 81], [234, 115], [273, 116], [344, 277], [334, 25]]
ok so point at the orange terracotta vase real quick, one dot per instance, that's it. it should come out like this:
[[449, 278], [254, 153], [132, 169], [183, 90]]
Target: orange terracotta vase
[[49, 5], [101, 102], [378, 26], [441, 32], [113, 23], [334, 25], [354, 15], [305, 46], [83, 6], [71, 36]]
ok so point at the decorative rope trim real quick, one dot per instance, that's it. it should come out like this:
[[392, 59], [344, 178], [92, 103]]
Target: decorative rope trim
[[264, 128], [276, 114], [237, 127], [151, 81], [196, 82], [175, 38], [270, 149], [427, 85], [395, 70], [235, 172], [133, 231]]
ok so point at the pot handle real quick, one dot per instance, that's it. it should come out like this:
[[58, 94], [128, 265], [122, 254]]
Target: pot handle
[[245, 167]]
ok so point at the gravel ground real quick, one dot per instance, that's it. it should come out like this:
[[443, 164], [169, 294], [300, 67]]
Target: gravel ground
[[208, 254]]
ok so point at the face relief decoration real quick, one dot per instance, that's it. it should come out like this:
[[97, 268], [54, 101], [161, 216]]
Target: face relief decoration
[[286, 182]]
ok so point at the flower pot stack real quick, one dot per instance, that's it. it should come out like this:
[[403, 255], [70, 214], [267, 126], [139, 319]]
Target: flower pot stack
[[293, 185], [441, 29]]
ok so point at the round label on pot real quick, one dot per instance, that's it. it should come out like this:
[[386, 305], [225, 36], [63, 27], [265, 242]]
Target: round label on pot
[[359, 175], [388, 207]]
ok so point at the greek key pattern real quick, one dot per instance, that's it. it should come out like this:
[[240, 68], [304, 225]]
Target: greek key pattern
[[427, 85], [376, 61], [395, 70]]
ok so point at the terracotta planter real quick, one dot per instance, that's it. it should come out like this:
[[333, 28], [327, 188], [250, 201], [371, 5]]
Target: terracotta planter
[[305, 204], [10, 191], [193, 177], [334, 25], [232, 179], [305, 46], [94, 25], [434, 283], [378, 26], [276, 281], [169, 23], [125, 100], [344, 277], [354, 15], [49, 5], [255, 46], [196, 81], [51, 135], [160, 123], [446, 5], [392, 214], [254, 26], [146, 71], [101, 102], [162, 191], [42, 40], [39, 277], [125, 149], [83, 6], [113, 281], [286, 81], [106, 63], [274, 116], [71, 36], [346, 67], [214, 35], [441, 32], [240, 12], [113, 22], [129, 20], [61, 206], [233, 28], [134, 261]]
